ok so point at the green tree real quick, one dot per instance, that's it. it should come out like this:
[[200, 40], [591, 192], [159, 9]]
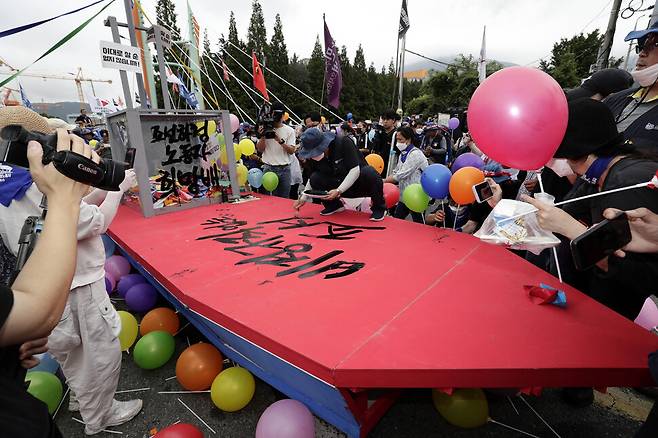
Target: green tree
[[277, 60], [363, 101], [315, 68], [233, 57], [256, 33], [571, 58]]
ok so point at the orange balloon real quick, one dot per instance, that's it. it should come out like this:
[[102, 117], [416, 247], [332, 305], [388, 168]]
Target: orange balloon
[[376, 161], [197, 366], [161, 318], [462, 182]]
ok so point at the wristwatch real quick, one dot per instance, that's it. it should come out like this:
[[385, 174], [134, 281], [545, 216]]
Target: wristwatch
[[282, 141]]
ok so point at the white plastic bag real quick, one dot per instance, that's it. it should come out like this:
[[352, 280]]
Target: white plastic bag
[[514, 224]]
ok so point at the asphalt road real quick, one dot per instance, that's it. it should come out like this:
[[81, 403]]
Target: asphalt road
[[413, 416]]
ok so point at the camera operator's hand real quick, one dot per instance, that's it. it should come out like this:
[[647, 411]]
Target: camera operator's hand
[[48, 179], [129, 181]]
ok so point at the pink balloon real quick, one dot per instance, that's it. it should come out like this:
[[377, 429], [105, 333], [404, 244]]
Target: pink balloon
[[235, 123], [286, 419], [110, 282], [518, 117], [117, 266]]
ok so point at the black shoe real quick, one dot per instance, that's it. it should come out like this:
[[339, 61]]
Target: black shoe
[[578, 397], [331, 209], [378, 215]]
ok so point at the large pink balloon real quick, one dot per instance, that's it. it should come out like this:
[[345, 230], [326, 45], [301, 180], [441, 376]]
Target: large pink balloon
[[518, 117]]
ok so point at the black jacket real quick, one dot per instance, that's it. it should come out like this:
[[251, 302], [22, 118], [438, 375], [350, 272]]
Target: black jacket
[[644, 131]]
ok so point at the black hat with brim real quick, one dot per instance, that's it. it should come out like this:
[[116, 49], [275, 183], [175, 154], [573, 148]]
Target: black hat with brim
[[314, 142], [591, 128]]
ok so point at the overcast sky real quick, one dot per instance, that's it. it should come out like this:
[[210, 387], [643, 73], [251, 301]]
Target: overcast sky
[[518, 31]]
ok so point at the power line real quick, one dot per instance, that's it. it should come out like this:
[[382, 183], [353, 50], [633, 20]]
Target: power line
[[447, 64]]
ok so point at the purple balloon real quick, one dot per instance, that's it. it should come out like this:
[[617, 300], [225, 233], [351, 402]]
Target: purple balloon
[[469, 159], [117, 266], [286, 419], [141, 297], [453, 123], [110, 282], [128, 281]]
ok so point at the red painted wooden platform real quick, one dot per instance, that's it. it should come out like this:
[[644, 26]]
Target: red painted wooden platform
[[430, 307]]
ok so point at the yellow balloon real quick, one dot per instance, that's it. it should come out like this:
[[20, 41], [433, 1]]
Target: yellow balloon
[[233, 389], [467, 408], [212, 126], [242, 173], [223, 156], [236, 151], [128, 333], [247, 147]]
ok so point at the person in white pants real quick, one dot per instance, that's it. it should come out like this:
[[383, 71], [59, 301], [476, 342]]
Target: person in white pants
[[85, 342]]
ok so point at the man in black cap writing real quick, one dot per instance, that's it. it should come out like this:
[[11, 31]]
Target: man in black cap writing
[[338, 168]]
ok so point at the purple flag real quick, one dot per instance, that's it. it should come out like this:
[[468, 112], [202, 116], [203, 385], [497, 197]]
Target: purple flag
[[333, 75]]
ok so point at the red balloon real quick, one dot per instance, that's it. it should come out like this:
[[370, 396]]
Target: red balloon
[[391, 194], [518, 117], [180, 430]]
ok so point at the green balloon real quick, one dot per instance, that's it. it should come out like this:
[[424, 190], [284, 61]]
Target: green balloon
[[154, 350], [270, 181], [415, 198], [45, 387], [467, 408]]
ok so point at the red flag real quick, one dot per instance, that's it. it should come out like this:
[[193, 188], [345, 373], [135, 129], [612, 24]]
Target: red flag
[[259, 79], [226, 78]]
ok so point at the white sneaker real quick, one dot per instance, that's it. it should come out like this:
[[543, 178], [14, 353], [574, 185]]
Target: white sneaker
[[120, 412], [74, 406]]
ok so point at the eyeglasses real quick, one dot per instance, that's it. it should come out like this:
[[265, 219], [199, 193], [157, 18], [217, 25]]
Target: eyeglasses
[[647, 46]]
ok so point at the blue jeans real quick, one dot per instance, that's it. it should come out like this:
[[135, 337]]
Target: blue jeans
[[283, 172]]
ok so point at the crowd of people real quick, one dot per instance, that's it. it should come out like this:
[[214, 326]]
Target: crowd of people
[[611, 141]]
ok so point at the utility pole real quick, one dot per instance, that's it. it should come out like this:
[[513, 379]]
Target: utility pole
[[604, 51], [630, 43]]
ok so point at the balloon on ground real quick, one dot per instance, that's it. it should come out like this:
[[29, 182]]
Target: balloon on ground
[[161, 318], [110, 283], [128, 333], [376, 161], [286, 419], [154, 350], [518, 117], [141, 297], [462, 182], [117, 266], [233, 389], [435, 180], [128, 281], [45, 387], [198, 365], [467, 408], [415, 198], [180, 430]]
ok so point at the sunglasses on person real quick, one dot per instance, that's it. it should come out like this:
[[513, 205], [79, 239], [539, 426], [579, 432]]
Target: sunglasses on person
[[647, 46]]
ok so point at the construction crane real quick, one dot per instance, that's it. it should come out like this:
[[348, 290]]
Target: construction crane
[[77, 77]]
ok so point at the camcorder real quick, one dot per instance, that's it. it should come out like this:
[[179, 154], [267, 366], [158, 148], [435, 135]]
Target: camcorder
[[105, 175], [268, 116]]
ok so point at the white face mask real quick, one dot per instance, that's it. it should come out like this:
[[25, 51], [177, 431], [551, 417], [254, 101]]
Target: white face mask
[[647, 76], [419, 131], [401, 146], [560, 167], [254, 139], [319, 157]]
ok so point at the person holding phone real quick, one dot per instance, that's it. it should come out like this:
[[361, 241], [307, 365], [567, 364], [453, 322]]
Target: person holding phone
[[597, 153]]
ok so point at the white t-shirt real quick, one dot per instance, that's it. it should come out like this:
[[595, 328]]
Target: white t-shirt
[[274, 153], [90, 262]]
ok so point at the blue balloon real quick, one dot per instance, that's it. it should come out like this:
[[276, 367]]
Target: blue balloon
[[47, 364], [435, 181], [371, 135], [349, 116], [109, 245], [255, 177]]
